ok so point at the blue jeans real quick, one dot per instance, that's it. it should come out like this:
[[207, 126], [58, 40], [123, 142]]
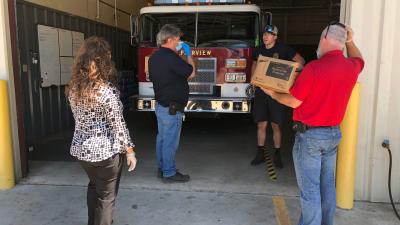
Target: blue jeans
[[314, 156], [169, 132]]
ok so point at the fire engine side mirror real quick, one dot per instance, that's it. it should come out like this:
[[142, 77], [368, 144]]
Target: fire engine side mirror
[[134, 20], [266, 19]]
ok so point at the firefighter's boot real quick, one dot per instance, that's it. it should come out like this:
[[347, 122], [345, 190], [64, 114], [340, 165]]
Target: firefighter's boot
[[259, 156], [277, 159]]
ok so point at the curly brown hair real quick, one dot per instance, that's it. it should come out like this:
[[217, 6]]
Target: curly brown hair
[[92, 68]]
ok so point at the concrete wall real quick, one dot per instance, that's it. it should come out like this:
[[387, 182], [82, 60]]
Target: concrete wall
[[376, 24], [6, 73], [104, 13]]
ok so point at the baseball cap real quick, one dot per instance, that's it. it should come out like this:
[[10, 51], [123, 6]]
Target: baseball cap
[[271, 29]]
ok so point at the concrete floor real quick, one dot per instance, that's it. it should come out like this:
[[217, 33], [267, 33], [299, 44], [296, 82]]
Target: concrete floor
[[224, 189], [216, 152]]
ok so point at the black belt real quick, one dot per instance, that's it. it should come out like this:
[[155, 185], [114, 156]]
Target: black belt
[[301, 127]]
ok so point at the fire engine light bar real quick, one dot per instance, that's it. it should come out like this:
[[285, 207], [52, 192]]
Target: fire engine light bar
[[236, 63], [235, 77], [166, 2]]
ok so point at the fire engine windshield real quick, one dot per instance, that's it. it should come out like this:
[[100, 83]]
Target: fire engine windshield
[[227, 29], [220, 29], [152, 23]]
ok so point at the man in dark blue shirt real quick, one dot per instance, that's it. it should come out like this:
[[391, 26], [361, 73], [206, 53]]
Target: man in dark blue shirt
[[266, 109], [169, 74]]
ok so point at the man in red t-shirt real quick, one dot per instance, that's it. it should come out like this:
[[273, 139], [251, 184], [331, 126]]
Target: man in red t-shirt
[[319, 98]]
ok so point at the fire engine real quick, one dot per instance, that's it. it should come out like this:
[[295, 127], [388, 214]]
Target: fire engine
[[222, 35]]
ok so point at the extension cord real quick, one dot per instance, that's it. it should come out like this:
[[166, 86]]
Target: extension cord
[[385, 144]]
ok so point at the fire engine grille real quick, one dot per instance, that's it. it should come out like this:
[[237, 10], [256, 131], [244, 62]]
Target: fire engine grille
[[204, 77], [203, 83], [206, 63], [201, 88]]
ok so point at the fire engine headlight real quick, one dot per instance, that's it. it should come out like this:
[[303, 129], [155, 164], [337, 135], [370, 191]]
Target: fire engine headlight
[[235, 77], [236, 63]]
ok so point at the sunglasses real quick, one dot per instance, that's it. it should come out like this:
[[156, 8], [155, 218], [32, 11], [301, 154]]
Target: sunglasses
[[332, 24]]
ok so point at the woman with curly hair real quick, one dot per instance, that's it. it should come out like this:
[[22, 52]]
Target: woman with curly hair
[[101, 135]]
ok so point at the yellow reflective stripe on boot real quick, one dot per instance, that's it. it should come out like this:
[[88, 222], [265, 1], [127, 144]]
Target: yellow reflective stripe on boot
[[270, 166]]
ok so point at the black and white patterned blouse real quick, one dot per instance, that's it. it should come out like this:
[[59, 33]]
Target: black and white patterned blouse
[[100, 129]]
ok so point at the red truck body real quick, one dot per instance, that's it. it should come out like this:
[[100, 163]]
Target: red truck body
[[223, 59]]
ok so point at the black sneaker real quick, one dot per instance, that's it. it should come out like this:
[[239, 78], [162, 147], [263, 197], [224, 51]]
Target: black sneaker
[[160, 173], [259, 157], [177, 178], [278, 161]]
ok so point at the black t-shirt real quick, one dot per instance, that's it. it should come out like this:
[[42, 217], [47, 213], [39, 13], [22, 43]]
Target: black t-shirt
[[169, 74], [279, 51]]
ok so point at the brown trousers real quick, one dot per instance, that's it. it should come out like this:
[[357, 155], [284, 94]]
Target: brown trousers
[[102, 189]]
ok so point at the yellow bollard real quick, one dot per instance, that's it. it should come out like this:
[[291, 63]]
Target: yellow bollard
[[7, 179], [347, 153]]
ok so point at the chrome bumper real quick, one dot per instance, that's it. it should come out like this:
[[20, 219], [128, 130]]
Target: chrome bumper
[[215, 105]]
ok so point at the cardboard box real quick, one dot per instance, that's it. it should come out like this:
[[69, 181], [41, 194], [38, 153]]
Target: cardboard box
[[276, 74]]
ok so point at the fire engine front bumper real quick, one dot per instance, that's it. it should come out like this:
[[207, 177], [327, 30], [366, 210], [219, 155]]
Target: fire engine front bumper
[[213, 105]]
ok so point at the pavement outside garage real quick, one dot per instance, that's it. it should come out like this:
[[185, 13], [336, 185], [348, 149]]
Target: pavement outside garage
[[65, 205]]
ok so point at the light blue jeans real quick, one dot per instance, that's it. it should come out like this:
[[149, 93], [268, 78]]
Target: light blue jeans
[[314, 156], [169, 132]]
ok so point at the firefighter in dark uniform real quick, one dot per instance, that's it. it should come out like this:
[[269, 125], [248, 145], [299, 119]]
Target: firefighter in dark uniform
[[266, 109]]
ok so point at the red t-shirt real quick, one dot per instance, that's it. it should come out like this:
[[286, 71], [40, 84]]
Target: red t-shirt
[[324, 86]]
